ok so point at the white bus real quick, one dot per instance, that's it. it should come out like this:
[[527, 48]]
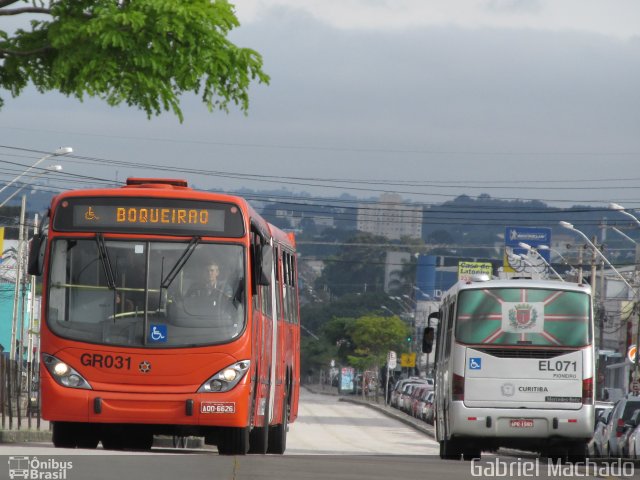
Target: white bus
[[514, 367]]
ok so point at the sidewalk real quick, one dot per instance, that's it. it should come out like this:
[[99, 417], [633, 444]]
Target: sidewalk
[[24, 434], [394, 413]]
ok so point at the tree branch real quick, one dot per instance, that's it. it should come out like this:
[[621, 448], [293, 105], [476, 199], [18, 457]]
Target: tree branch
[[26, 53], [6, 3], [18, 11]]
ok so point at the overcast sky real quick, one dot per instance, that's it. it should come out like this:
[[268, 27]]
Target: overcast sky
[[514, 98]]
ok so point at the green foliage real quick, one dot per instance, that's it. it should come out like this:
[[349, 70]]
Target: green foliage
[[374, 336], [143, 53], [329, 323]]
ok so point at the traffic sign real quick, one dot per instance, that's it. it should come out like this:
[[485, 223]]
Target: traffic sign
[[392, 360], [408, 360], [631, 353]]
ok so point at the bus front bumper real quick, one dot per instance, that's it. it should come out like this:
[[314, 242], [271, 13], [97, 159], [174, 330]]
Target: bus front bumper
[[228, 409]]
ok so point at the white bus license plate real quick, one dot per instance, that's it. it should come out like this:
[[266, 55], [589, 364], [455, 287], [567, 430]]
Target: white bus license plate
[[522, 423]]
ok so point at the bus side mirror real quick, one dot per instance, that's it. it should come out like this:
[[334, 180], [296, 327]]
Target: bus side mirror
[[427, 340], [37, 247], [266, 265]]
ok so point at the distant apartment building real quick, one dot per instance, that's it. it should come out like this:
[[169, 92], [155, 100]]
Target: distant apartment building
[[390, 218], [295, 218]]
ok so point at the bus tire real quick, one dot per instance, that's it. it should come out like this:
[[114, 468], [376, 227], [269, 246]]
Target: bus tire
[[64, 435], [278, 433], [471, 454], [449, 450], [259, 440], [87, 437], [139, 440], [259, 436], [234, 441], [576, 452]]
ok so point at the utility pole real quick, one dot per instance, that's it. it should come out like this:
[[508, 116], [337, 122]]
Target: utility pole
[[580, 251], [594, 267], [16, 290]]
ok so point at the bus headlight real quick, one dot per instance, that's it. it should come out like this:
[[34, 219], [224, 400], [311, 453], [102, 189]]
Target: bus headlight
[[226, 379], [63, 374]]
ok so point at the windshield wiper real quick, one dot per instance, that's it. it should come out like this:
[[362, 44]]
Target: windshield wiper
[[237, 297], [106, 262], [173, 273]]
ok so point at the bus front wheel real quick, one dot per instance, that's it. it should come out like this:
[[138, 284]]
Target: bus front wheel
[[234, 441], [64, 435], [278, 433]]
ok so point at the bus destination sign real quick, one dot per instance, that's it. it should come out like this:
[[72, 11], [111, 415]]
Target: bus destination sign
[[148, 215]]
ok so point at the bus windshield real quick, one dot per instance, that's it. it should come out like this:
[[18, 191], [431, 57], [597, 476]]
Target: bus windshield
[[146, 293], [521, 316]]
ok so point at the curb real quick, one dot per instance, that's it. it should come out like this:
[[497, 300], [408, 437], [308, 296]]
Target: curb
[[24, 436], [401, 417]]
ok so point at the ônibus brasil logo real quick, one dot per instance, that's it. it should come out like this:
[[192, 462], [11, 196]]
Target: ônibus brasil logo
[[523, 316], [35, 469]]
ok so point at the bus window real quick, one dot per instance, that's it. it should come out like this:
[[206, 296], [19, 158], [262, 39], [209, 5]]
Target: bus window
[[99, 294], [518, 316]]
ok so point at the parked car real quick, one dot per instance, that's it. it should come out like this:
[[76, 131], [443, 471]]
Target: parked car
[[602, 408], [633, 443], [405, 397], [627, 430], [427, 407], [595, 447], [620, 415], [418, 396], [398, 388]]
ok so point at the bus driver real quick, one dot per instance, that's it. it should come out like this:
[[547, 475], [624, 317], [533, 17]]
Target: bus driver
[[211, 287]]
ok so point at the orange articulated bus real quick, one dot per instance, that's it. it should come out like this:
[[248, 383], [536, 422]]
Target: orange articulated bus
[[166, 311]]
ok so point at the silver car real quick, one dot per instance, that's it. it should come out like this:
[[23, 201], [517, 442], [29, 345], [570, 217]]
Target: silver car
[[614, 429]]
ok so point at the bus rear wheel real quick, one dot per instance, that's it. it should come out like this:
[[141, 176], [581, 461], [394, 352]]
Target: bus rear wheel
[[450, 450], [234, 441], [470, 454]]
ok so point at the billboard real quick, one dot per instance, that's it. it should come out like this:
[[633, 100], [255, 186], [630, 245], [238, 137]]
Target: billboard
[[466, 270], [533, 236]]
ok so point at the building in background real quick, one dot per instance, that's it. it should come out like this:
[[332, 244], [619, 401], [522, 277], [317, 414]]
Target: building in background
[[390, 218]]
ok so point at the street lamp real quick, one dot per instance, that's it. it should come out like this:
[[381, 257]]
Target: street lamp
[[384, 307], [60, 151], [622, 210], [620, 232], [516, 261], [570, 226], [529, 248], [547, 247], [50, 168]]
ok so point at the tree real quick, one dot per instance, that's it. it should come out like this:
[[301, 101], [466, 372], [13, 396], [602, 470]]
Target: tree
[[374, 336], [144, 53]]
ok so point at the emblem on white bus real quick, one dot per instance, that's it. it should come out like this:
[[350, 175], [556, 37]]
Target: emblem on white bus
[[523, 316], [508, 389], [144, 367]]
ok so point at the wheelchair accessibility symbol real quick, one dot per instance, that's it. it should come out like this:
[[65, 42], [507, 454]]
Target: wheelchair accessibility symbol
[[158, 333], [475, 363]]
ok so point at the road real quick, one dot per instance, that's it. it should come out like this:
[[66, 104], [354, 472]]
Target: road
[[330, 440]]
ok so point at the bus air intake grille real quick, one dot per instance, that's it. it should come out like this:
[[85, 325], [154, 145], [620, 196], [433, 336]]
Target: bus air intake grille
[[522, 353]]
